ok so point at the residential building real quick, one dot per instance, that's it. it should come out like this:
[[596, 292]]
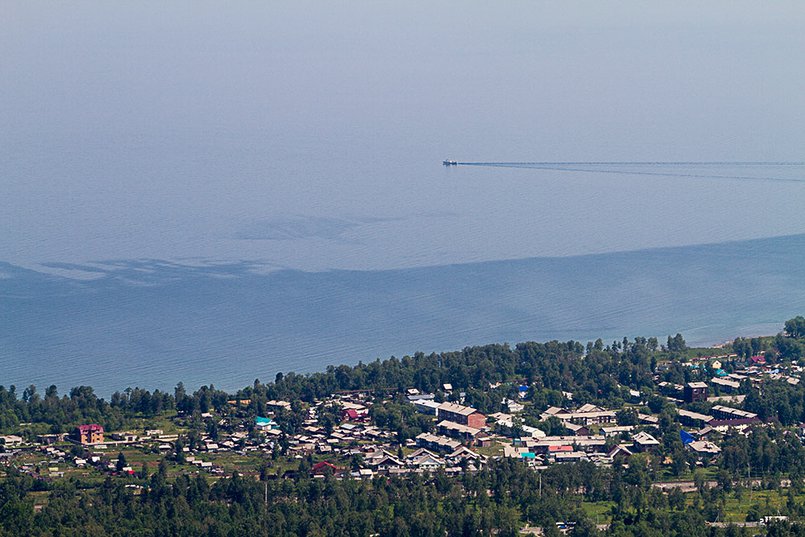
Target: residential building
[[695, 391], [645, 442], [464, 415], [457, 430], [89, 434], [726, 384], [722, 412], [584, 415]]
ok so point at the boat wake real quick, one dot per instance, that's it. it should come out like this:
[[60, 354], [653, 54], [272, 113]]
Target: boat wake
[[657, 168]]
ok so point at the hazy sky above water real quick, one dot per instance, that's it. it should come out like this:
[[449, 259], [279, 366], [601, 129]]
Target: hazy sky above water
[[310, 134]]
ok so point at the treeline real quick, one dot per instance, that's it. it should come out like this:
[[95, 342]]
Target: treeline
[[81, 405], [594, 372], [498, 500]]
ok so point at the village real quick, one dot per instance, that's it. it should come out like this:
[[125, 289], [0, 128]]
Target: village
[[340, 436]]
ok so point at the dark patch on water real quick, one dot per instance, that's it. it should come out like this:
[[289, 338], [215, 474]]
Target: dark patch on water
[[153, 323]]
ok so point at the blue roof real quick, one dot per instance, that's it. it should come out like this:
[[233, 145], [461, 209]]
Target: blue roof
[[260, 420], [523, 388], [686, 437], [528, 455], [721, 373]]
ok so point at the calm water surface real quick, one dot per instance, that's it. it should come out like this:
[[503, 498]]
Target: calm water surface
[[208, 195]]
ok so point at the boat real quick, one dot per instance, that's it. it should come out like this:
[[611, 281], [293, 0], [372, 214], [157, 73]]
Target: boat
[[449, 163]]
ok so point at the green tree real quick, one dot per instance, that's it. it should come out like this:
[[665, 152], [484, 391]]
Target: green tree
[[795, 327], [121, 462], [677, 343]]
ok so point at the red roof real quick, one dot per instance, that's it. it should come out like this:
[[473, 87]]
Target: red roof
[[353, 414], [91, 428], [758, 359], [561, 449], [319, 466]]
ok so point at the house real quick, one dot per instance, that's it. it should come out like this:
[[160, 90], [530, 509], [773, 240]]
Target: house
[[324, 468], [420, 452], [514, 452], [577, 430], [722, 412], [464, 415], [437, 442], [648, 419], [457, 430], [263, 424], [372, 454], [283, 405], [513, 406], [693, 419], [589, 407], [365, 473], [619, 452], [506, 421], [581, 443], [421, 397], [738, 424], [89, 434], [593, 417], [533, 432], [426, 406], [758, 359], [695, 391], [644, 441], [125, 437], [615, 430], [726, 385], [464, 454], [351, 414], [425, 461], [584, 415], [10, 440], [48, 439], [388, 463], [670, 389], [571, 456], [704, 448]]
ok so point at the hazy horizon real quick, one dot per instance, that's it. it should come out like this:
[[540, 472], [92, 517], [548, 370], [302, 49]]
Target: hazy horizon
[[188, 130]]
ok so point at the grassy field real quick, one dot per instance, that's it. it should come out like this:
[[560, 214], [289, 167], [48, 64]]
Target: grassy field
[[598, 511], [768, 502], [709, 474]]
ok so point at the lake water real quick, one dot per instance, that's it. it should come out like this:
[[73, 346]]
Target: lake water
[[208, 195], [153, 324]]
